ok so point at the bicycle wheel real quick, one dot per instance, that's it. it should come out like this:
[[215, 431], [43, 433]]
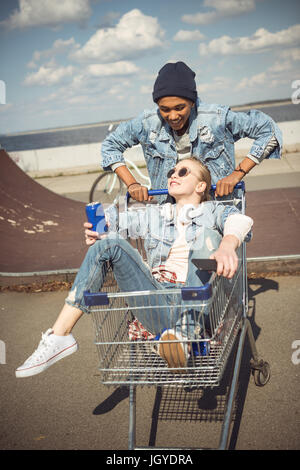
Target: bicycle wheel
[[106, 188]]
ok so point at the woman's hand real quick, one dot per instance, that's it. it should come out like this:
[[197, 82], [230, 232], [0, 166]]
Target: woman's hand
[[90, 236], [226, 257]]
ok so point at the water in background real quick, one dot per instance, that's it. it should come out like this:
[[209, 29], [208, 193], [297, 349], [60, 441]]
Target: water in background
[[97, 132]]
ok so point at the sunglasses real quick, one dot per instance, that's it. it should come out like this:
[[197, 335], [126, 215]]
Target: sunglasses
[[182, 172]]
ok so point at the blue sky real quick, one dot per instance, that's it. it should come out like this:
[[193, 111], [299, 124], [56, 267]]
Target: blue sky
[[69, 62]]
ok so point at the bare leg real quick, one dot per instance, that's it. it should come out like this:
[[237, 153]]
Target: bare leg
[[66, 320]]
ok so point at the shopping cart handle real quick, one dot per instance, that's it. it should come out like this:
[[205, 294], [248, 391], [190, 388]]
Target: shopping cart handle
[[205, 264], [152, 192], [93, 299], [159, 192], [240, 185]]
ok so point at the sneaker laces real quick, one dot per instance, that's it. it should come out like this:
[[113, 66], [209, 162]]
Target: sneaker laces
[[44, 344]]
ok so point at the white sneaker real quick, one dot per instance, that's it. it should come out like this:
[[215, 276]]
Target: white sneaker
[[51, 349], [175, 353]]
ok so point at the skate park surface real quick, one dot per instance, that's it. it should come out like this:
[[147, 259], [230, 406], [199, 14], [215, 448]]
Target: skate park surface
[[67, 407]]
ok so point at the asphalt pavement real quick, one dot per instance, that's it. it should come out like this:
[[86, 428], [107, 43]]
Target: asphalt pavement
[[67, 407]]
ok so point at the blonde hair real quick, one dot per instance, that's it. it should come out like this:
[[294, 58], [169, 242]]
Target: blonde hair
[[204, 175]]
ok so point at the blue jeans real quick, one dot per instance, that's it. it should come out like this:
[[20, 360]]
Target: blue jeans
[[155, 312]]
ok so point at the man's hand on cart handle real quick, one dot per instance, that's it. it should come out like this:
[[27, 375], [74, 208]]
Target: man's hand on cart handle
[[226, 185], [139, 192], [226, 257]]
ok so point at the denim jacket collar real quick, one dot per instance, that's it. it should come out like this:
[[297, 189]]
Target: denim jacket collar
[[193, 130]]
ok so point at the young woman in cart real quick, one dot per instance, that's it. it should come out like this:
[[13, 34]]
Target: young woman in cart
[[173, 234]]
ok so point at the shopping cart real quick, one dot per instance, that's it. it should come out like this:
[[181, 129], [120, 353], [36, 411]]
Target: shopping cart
[[216, 313]]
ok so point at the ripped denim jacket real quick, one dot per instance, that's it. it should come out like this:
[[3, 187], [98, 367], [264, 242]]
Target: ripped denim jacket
[[213, 131]]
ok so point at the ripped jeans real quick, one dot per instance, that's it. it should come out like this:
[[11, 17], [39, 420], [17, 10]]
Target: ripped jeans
[[156, 312]]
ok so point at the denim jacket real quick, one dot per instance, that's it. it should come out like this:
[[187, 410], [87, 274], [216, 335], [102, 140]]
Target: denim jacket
[[213, 131], [156, 225]]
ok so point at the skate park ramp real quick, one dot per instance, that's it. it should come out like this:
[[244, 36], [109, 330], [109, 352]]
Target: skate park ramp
[[39, 230]]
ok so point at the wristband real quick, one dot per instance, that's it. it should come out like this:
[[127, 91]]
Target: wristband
[[241, 170], [133, 184]]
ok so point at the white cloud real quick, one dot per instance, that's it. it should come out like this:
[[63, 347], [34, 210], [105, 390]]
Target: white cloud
[[260, 41], [116, 90], [218, 83], [291, 54], [60, 46], [220, 9], [134, 34], [48, 75], [281, 66], [184, 35], [255, 80], [115, 68], [81, 99], [279, 73], [146, 90], [52, 13]]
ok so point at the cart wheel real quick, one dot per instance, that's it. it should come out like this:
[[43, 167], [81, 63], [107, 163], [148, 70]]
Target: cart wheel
[[262, 374]]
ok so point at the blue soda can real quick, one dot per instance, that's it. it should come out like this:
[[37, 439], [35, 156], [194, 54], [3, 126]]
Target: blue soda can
[[201, 348], [204, 348], [95, 215]]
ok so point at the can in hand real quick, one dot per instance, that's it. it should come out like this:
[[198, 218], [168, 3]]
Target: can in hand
[[96, 217]]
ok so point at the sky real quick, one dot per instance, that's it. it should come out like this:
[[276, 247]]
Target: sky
[[73, 62]]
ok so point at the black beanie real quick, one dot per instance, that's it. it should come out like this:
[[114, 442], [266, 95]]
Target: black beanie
[[175, 80]]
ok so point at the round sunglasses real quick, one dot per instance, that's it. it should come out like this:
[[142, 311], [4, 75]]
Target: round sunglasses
[[183, 171]]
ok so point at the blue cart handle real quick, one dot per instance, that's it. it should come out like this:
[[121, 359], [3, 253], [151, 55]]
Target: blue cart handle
[[152, 192], [240, 185], [159, 192]]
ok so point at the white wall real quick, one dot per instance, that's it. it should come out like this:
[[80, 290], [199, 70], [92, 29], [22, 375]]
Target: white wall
[[44, 161]]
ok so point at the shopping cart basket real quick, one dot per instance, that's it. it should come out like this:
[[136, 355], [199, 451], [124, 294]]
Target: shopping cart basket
[[219, 311]]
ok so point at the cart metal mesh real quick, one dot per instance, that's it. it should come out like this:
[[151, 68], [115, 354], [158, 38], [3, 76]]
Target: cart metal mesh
[[218, 307]]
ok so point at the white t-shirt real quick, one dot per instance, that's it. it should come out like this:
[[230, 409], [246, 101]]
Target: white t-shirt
[[175, 268], [183, 145]]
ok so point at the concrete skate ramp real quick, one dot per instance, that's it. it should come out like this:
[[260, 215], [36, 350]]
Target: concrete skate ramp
[[39, 230], [42, 231]]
